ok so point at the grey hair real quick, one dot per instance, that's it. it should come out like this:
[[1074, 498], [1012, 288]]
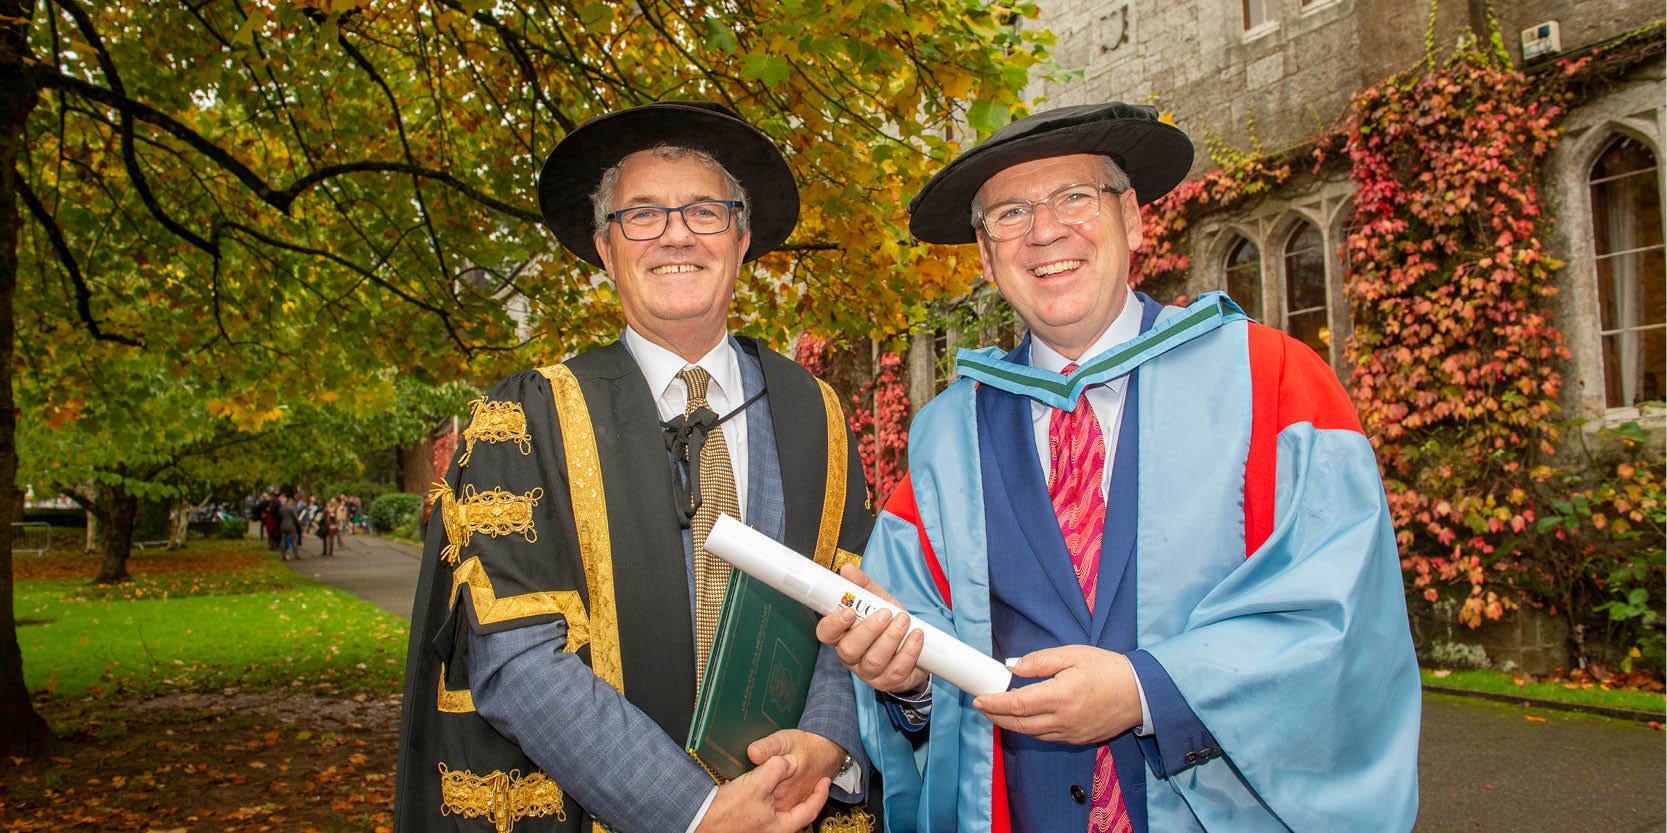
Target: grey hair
[[1116, 178], [603, 197]]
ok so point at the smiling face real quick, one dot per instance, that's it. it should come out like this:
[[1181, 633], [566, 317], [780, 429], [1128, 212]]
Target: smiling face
[[1068, 282], [676, 288]]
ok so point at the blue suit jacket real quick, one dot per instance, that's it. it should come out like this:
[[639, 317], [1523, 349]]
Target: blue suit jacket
[[1049, 783], [1272, 621]]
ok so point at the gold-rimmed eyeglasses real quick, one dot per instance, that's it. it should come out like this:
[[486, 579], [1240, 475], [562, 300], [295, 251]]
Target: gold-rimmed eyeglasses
[[1072, 204]]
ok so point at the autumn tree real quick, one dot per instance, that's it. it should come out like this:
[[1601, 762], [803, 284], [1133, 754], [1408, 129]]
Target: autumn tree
[[142, 431], [205, 182]]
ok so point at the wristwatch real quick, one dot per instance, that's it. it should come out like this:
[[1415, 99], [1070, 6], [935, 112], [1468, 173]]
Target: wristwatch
[[845, 767]]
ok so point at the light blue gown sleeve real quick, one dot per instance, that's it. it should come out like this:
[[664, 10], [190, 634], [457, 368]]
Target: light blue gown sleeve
[[1300, 661]]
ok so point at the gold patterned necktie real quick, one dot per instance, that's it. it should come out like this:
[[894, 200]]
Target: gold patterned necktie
[[717, 494]]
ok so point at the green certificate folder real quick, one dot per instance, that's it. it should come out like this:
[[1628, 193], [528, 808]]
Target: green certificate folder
[[763, 654]]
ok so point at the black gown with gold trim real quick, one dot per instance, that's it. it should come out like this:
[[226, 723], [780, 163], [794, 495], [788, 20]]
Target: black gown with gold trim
[[560, 505]]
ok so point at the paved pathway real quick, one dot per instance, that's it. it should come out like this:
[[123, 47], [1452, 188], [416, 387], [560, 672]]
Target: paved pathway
[[1484, 767], [1487, 767], [380, 570]]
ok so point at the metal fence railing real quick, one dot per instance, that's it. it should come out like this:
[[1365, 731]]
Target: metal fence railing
[[31, 536]]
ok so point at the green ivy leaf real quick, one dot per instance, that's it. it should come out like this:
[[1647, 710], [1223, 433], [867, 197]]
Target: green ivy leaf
[[771, 69], [987, 116], [719, 37]]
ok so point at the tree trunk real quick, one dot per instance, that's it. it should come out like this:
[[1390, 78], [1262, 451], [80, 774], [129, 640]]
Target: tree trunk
[[989, 329], [26, 733], [179, 523], [923, 370], [123, 512], [91, 544]]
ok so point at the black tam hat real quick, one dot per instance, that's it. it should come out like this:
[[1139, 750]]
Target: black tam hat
[[575, 168], [1154, 154]]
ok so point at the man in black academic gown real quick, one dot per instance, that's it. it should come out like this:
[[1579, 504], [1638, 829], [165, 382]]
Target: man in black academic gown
[[565, 602]]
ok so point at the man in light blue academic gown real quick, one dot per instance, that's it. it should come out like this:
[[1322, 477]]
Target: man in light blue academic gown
[[1166, 519]]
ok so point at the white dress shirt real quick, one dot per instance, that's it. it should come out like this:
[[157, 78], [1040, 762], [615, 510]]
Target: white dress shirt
[[1106, 399], [1107, 402], [723, 394]]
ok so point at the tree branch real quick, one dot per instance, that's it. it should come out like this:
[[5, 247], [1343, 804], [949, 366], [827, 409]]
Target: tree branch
[[83, 294], [129, 159], [529, 73], [47, 78], [399, 125], [439, 312]]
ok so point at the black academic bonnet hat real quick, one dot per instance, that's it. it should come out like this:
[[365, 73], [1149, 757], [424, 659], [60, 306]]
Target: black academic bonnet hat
[[1155, 155], [575, 168]]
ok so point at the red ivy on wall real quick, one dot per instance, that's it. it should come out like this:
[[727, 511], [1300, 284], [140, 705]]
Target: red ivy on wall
[[1162, 256], [878, 415], [445, 445], [1454, 355], [1454, 359]]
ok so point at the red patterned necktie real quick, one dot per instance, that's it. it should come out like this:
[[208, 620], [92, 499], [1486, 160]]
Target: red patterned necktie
[[1076, 467]]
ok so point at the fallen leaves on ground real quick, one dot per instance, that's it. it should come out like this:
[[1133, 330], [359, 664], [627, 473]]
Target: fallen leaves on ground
[[1596, 676], [203, 557], [234, 762]]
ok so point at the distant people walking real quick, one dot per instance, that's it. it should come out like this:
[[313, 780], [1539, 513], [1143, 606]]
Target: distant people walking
[[339, 517], [289, 529], [271, 508], [326, 528], [356, 510]]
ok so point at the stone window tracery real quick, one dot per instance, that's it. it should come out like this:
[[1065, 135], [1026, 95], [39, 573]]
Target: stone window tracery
[[1628, 257], [1305, 289], [1244, 276]]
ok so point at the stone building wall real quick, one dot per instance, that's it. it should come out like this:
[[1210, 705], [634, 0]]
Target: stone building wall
[[1283, 82], [1636, 109], [1583, 23], [1276, 87]]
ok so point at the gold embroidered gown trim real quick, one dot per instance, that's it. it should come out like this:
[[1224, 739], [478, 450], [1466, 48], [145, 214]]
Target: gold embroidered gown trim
[[505, 798], [833, 497], [854, 820], [590, 518], [843, 557], [495, 422], [494, 512], [490, 609], [453, 700]]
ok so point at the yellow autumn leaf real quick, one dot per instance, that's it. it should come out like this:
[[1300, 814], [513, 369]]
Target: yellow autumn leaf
[[956, 85]]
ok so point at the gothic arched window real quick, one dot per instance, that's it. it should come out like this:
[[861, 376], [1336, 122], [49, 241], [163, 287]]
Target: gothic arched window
[[1627, 243], [1305, 290], [1244, 277]]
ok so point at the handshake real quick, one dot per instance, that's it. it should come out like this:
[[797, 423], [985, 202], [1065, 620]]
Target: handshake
[[896, 653]]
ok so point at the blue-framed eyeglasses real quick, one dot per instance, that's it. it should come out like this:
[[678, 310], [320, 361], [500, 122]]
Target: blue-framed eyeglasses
[[647, 222]]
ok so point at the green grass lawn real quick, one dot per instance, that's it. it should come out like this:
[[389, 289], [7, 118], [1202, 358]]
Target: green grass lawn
[[1589, 693], [260, 626], [228, 614]]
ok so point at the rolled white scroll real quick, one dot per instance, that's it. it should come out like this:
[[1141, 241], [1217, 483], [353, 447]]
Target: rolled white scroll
[[824, 591]]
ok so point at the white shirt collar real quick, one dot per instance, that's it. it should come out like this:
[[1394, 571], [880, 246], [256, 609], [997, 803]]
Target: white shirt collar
[[1124, 327], [660, 367]]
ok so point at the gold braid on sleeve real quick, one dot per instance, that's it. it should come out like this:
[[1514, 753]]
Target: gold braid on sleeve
[[503, 797], [495, 512], [495, 422], [855, 820]]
